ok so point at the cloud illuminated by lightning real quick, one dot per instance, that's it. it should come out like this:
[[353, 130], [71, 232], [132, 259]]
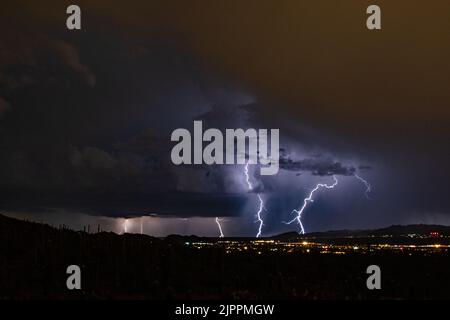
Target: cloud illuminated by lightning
[[308, 199], [247, 177], [367, 184]]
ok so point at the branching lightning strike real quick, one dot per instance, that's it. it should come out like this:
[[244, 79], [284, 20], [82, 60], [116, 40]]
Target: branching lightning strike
[[300, 211], [367, 184], [310, 199]]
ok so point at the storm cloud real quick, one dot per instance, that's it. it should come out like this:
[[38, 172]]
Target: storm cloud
[[86, 116], [318, 167]]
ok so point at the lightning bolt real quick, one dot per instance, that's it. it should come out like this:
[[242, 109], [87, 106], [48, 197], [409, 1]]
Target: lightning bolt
[[247, 177], [308, 199], [125, 226], [220, 227], [367, 184], [258, 215], [261, 202]]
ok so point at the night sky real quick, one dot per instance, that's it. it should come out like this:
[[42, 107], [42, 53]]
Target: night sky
[[86, 116]]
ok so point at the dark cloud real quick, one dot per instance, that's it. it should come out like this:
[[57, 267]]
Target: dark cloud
[[99, 202], [4, 106], [317, 166], [27, 58], [86, 116]]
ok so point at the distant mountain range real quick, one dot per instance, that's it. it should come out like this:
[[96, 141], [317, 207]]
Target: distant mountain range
[[394, 230]]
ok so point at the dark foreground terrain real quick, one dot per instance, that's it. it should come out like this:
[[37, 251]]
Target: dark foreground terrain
[[34, 258]]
